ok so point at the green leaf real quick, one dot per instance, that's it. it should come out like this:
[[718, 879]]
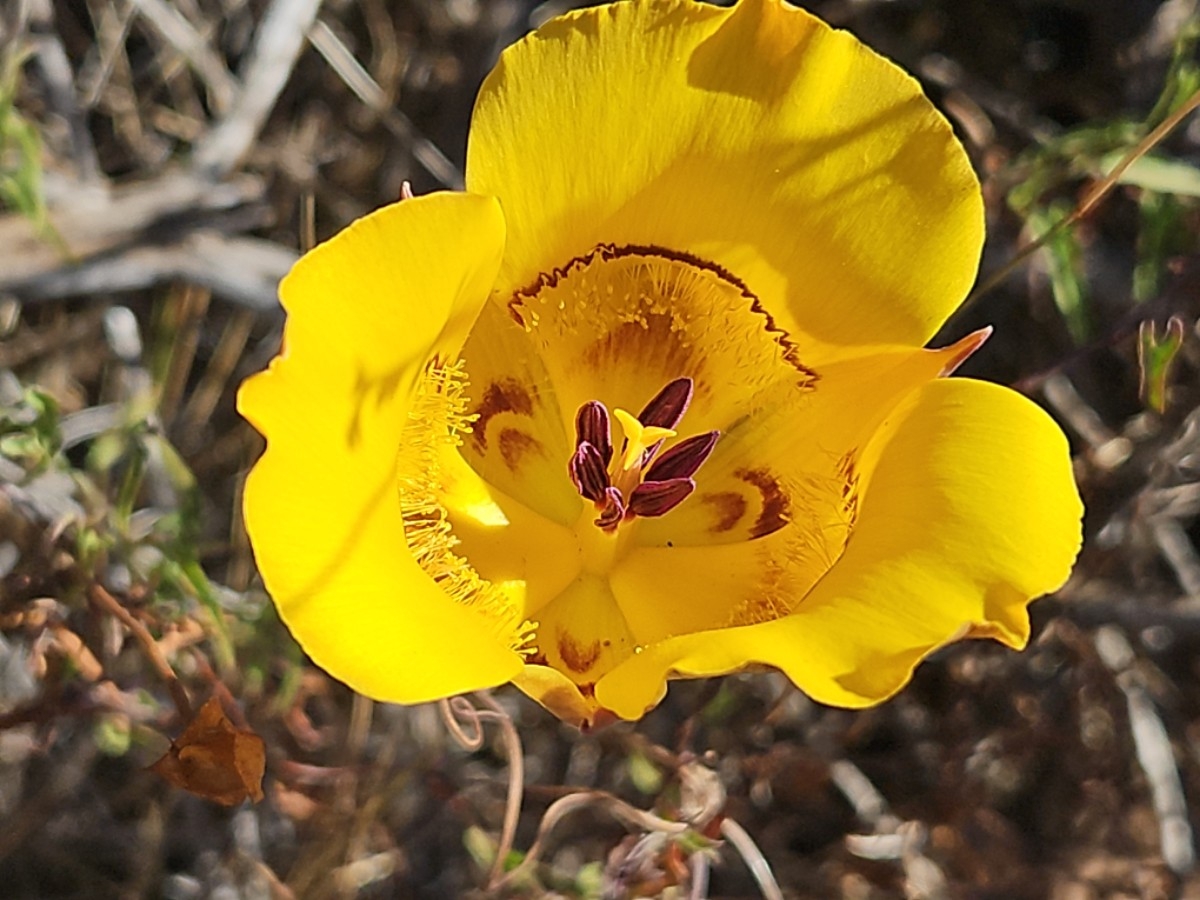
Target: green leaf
[[1162, 233], [112, 734], [21, 151], [480, 846], [644, 774], [589, 880], [1156, 173], [1156, 355], [1063, 258]]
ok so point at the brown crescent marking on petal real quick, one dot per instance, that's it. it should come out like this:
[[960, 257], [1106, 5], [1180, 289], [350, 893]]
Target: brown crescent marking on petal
[[652, 339], [514, 444], [612, 251], [730, 506], [504, 396], [776, 506], [577, 658]]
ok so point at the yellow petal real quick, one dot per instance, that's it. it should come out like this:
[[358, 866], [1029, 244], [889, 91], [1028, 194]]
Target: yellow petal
[[621, 324], [669, 591], [755, 137], [968, 511], [519, 442], [582, 632], [561, 696], [793, 449], [507, 543], [366, 312], [775, 504]]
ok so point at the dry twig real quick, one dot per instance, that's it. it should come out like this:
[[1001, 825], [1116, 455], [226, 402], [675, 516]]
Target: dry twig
[[1154, 753], [277, 46], [177, 31], [359, 80], [105, 601]]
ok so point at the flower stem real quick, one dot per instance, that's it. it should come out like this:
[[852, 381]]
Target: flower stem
[[458, 710]]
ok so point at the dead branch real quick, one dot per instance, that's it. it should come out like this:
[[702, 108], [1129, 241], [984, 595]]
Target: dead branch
[[277, 46], [147, 233]]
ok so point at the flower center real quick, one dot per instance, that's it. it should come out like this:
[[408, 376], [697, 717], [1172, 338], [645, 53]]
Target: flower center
[[558, 497], [639, 481]]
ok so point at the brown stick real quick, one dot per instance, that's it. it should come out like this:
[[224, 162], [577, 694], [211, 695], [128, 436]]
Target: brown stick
[[109, 604], [1097, 192]]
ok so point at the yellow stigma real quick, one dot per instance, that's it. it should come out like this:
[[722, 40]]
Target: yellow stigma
[[639, 438]]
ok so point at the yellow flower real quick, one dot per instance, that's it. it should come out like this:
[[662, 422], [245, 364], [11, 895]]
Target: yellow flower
[[649, 400]]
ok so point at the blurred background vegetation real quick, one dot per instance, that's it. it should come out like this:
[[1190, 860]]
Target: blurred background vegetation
[[162, 162]]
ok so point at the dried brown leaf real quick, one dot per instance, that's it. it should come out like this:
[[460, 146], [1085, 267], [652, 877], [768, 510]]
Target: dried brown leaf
[[214, 759]]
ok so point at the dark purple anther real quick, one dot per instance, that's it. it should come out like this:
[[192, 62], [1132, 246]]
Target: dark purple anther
[[648, 487], [682, 460], [668, 405], [613, 509], [588, 472], [591, 427], [656, 498]]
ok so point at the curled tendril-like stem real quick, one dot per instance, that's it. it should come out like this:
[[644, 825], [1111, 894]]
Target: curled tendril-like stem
[[465, 721], [755, 861], [698, 869], [469, 731], [628, 815]]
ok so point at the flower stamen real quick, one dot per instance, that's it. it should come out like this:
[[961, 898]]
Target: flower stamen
[[668, 406], [437, 420], [638, 484]]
